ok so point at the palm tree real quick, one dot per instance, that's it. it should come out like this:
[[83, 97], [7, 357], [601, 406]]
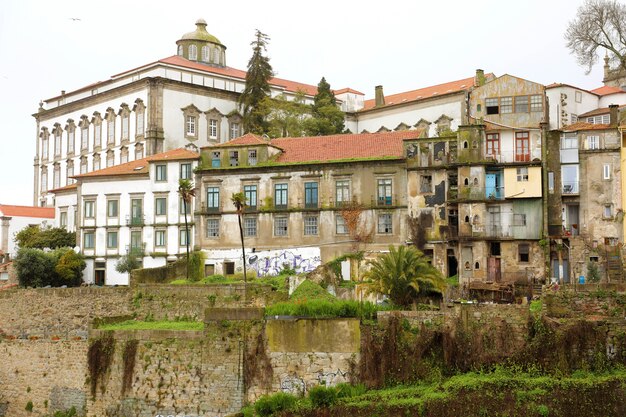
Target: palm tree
[[404, 274], [239, 201], [187, 192]]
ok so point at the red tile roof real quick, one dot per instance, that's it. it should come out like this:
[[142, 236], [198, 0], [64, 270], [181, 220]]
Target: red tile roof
[[347, 90], [337, 147], [426, 92], [596, 112], [140, 166], [27, 211], [585, 126], [66, 188], [606, 90], [245, 140]]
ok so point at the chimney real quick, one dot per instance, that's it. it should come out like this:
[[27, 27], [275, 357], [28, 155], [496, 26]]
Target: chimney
[[613, 113], [379, 96], [479, 79]]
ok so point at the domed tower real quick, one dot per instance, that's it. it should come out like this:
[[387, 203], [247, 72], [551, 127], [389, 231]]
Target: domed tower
[[201, 46]]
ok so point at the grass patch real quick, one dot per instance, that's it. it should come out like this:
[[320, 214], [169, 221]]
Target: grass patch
[[154, 325], [324, 309], [535, 307], [309, 290]]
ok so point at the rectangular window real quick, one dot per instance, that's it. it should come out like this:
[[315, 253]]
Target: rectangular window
[[493, 144], [522, 147], [185, 171], [426, 184], [56, 177], [523, 251], [110, 131], [184, 207], [212, 227], [112, 208], [506, 105], [311, 193], [551, 182], [216, 160], [522, 174], [578, 96], [70, 141], [249, 226], [97, 135], [593, 142], [569, 142], [190, 125], [89, 209], [250, 193], [310, 225], [233, 157], [161, 172], [213, 198], [138, 152], [44, 148], [280, 196], [252, 159], [183, 237], [159, 238], [69, 173], [602, 119], [536, 103], [573, 118], [110, 159], [519, 219], [96, 162], [213, 129], [63, 219], [569, 178], [385, 197], [342, 192], [139, 126], [384, 223], [160, 206], [521, 104], [606, 171], [491, 105], [136, 242], [88, 240], [111, 240], [57, 145], [607, 213], [234, 130], [125, 128], [280, 226], [83, 165], [84, 138], [136, 211], [340, 225]]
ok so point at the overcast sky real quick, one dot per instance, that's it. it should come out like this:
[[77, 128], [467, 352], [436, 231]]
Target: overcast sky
[[402, 45]]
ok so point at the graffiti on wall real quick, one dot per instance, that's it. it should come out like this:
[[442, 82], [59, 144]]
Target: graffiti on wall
[[293, 384], [330, 379], [277, 261]]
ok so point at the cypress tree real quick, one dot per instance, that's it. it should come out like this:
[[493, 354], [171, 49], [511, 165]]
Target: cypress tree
[[327, 118]]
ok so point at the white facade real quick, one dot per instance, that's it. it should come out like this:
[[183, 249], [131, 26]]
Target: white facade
[[116, 211], [567, 102], [15, 218]]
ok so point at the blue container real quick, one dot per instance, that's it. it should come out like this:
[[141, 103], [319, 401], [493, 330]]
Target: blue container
[[581, 279]]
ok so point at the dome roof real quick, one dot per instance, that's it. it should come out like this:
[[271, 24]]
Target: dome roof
[[200, 34]]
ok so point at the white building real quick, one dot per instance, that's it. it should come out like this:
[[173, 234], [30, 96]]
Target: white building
[[15, 218], [188, 98], [134, 205]]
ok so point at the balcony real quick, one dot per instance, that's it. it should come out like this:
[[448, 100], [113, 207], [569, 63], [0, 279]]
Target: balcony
[[209, 208], [135, 220], [386, 201], [571, 230], [570, 188]]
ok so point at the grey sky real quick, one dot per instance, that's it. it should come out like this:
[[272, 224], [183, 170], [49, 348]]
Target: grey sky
[[402, 45]]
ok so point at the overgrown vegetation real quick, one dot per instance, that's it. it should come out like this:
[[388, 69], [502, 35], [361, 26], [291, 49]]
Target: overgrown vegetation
[[37, 237], [99, 358], [154, 325], [38, 268], [131, 260], [129, 358]]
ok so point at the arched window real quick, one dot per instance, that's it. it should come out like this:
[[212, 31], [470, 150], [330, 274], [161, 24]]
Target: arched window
[[466, 181], [180, 50], [475, 182], [476, 265], [216, 56], [466, 219], [193, 52], [465, 145], [205, 53], [476, 219]]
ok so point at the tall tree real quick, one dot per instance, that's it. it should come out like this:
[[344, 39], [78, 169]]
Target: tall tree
[[34, 236], [187, 193], [328, 119], [257, 87], [599, 25], [286, 118], [239, 201]]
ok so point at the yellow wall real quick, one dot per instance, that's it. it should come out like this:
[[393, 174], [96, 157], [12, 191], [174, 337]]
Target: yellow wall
[[522, 189]]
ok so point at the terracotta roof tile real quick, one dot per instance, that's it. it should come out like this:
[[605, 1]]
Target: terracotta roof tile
[[585, 126], [140, 166], [347, 90], [337, 147], [66, 188], [426, 92], [606, 90], [27, 211], [245, 140], [596, 112]]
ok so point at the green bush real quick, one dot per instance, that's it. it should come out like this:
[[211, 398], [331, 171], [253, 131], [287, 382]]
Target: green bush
[[322, 396], [29, 407], [267, 405], [347, 390], [309, 290], [324, 309]]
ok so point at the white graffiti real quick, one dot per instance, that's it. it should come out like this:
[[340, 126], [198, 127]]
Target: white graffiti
[[293, 384], [273, 265], [331, 379]]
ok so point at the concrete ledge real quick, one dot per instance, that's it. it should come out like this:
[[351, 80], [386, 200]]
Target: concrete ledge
[[314, 335], [217, 314], [148, 335]]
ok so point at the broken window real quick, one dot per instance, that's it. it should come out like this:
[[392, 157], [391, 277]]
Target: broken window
[[426, 184], [519, 220], [522, 174], [491, 104], [234, 158], [523, 251], [495, 248]]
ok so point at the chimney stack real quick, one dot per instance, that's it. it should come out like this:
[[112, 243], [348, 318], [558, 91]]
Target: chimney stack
[[379, 96], [613, 113], [479, 80]]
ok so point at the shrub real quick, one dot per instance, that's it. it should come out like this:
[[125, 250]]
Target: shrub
[[267, 405], [347, 390], [309, 290], [35, 268], [324, 309], [130, 261], [29, 407], [322, 396]]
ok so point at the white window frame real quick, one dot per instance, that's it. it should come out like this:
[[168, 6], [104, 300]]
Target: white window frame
[[593, 142], [606, 171], [160, 238], [250, 226], [89, 209], [311, 225], [281, 226], [190, 125], [160, 172], [212, 227], [522, 174]]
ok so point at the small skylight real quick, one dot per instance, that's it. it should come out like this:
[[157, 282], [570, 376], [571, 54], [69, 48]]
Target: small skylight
[[462, 85], [138, 168], [435, 93], [403, 99]]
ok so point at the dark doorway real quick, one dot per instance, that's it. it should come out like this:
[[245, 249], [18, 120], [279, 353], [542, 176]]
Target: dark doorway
[[99, 275], [453, 264], [229, 268]]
